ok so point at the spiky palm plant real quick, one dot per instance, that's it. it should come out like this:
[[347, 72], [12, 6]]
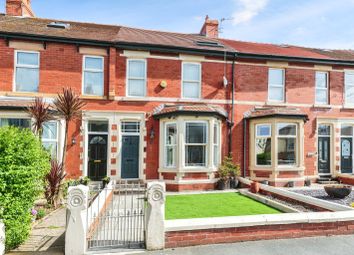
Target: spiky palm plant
[[69, 106], [41, 113], [54, 181]]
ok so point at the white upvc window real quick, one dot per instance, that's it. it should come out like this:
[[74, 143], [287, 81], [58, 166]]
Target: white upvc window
[[191, 80], [136, 77], [196, 141], [50, 137], [216, 144], [349, 88], [287, 140], [26, 71], [321, 88], [93, 76], [170, 144], [263, 144], [276, 85]]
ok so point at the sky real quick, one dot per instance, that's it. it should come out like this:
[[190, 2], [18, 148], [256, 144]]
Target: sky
[[313, 23]]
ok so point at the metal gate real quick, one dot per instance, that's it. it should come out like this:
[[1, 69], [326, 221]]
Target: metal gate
[[116, 217]]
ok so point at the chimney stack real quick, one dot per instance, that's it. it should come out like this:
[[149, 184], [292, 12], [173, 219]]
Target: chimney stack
[[210, 28], [20, 8]]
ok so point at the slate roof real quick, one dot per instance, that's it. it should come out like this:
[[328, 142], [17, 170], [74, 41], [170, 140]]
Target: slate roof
[[167, 110], [286, 112]]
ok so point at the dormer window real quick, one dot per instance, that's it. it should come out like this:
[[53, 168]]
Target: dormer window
[[93, 84]]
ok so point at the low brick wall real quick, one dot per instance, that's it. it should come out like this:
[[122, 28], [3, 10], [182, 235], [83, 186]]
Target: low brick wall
[[346, 179], [253, 233]]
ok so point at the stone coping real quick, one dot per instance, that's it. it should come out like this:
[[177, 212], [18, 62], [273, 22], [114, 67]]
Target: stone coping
[[201, 192], [257, 220], [331, 206]]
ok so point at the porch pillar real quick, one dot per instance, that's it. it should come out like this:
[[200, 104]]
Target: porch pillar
[[76, 228], [155, 216]]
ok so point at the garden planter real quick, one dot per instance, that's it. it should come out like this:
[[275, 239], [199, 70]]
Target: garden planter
[[254, 187], [265, 182], [308, 183], [338, 191], [233, 183], [291, 184], [221, 184]]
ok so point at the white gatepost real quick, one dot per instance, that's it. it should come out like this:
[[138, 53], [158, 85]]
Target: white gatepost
[[2, 238], [76, 227], [155, 216]]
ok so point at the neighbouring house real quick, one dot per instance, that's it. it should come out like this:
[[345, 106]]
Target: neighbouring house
[[170, 106]]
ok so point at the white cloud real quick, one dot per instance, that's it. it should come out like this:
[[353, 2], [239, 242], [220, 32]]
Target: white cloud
[[248, 10]]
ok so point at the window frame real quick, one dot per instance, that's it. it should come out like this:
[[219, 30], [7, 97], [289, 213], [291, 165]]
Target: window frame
[[346, 103], [166, 146], [276, 85], [16, 65], [206, 144], [84, 70], [216, 134], [135, 78], [322, 89], [262, 136], [56, 140], [287, 136], [191, 81]]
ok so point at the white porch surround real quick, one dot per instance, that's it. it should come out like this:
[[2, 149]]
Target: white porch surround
[[113, 118], [180, 168]]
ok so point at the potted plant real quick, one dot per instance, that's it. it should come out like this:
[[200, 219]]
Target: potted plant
[[85, 181], [254, 187], [234, 172], [105, 181], [224, 174], [308, 182]]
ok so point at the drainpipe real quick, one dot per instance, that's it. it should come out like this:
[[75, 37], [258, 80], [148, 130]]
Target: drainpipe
[[244, 146], [231, 121]]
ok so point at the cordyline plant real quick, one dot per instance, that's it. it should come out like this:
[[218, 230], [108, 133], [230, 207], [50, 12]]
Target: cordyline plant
[[69, 106], [54, 181], [41, 113]]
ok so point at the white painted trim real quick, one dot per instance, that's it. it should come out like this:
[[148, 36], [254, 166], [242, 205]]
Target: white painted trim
[[257, 220], [276, 85], [200, 79], [319, 104]]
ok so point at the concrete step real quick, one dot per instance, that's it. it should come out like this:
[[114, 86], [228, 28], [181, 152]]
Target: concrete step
[[327, 182]]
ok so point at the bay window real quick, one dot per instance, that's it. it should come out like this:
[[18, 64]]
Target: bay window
[[26, 71], [276, 85], [50, 137], [93, 76], [263, 146], [15, 122], [195, 144], [191, 80], [190, 144], [136, 77], [286, 144]]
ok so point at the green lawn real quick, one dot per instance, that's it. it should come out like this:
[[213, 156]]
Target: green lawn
[[213, 205]]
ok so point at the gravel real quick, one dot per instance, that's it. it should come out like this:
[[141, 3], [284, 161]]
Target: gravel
[[320, 193], [291, 204]]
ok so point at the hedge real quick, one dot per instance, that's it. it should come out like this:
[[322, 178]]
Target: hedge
[[23, 165]]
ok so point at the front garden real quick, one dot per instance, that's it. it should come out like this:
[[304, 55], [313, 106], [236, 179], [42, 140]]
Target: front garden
[[213, 205]]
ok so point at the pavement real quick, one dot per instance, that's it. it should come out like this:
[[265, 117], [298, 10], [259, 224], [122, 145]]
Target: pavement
[[332, 245], [47, 236]]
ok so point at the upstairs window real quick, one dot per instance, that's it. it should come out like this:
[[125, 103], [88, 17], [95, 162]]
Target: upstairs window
[[349, 88], [191, 80], [26, 71], [276, 85], [136, 78], [93, 76], [321, 88]]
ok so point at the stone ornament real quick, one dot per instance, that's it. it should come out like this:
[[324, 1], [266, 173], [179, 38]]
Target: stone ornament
[[156, 193], [76, 199]]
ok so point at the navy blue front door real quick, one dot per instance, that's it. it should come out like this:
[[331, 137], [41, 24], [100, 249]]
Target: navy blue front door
[[130, 157]]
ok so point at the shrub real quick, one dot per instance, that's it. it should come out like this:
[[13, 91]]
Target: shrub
[[228, 168], [23, 165], [40, 214], [54, 181]]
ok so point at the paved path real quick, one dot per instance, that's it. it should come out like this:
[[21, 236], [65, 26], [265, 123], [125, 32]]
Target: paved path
[[302, 246], [47, 237]]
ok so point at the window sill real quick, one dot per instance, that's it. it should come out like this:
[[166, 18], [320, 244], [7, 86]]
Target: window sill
[[349, 107], [326, 106], [271, 103], [27, 94], [93, 97], [188, 170]]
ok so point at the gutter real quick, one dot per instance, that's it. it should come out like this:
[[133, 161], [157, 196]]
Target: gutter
[[231, 121]]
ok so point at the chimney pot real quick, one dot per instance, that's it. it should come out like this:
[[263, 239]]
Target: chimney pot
[[21, 8], [210, 28]]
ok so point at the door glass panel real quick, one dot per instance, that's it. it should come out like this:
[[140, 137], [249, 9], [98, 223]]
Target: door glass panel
[[98, 126], [324, 130], [130, 127]]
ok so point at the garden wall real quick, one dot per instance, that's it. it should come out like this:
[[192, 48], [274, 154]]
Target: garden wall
[[258, 227]]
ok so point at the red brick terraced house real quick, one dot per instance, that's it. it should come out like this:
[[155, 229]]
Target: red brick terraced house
[[170, 106]]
